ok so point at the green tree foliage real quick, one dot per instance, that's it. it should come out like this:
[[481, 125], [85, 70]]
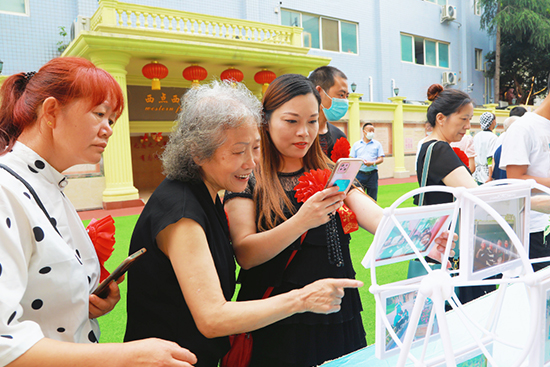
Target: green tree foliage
[[522, 56]]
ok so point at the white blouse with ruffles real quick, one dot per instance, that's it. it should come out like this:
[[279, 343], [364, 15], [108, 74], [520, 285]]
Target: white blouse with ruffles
[[45, 277]]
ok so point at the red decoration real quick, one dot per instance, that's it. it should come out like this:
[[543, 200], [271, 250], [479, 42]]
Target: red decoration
[[463, 157], [314, 181], [102, 234], [144, 138], [232, 75], [195, 74], [341, 149], [310, 183], [264, 77], [155, 71]]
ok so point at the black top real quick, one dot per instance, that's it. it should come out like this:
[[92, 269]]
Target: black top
[[328, 139], [303, 339], [443, 161], [156, 307]]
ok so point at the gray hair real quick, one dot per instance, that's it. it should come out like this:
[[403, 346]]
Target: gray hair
[[206, 113], [509, 121]]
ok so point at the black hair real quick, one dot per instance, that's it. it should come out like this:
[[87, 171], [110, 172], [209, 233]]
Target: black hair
[[323, 76], [367, 124], [518, 111], [283, 89], [445, 101]]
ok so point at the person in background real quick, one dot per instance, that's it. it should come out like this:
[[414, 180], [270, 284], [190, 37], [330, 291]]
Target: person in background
[[332, 85], [50, 120], [372, 154], [182, 289], [268, 223], [427, 132], [449, 113], [466, 144], [525, 155], [484, 142], [518, 111], [495, 173]]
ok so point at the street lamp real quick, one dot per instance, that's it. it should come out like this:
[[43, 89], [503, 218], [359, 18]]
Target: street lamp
[[396, 91], [353, 87], [1, 66]]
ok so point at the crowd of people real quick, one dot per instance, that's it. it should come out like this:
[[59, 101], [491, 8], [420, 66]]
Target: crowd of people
[[298, 297]]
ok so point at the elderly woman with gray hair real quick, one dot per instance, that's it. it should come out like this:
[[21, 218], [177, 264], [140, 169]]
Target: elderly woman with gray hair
[[181, 290]]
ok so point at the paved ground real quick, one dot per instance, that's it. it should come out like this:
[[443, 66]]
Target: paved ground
[[89, 214]]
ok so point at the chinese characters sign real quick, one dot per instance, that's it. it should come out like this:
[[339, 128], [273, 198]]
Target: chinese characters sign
[[145, 104]]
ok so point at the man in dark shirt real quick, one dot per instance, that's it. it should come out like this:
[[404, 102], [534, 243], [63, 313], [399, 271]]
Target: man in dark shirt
[[332, 85]]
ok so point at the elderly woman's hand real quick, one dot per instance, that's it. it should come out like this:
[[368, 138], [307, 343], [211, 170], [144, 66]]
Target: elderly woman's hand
[[99, 306], [325, 296], [438, 251], [316, 209]]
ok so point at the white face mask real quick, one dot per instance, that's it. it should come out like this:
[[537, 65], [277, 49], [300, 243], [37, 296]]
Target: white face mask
[[428, 133], [369, 136]]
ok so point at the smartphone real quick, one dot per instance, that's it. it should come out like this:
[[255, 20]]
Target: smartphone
[[344, 173], [102, 290]]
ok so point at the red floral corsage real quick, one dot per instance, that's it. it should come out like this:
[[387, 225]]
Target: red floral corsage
[[341, 149], [102, 234]]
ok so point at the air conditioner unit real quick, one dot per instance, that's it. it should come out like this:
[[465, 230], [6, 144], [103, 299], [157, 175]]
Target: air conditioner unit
[[448, 78], [79, 25], [448, 12]]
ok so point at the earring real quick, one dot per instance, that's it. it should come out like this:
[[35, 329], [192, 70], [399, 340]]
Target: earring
[[49, 123]]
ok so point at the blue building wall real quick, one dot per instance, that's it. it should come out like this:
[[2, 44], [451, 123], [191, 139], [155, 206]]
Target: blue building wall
[[33, 39]]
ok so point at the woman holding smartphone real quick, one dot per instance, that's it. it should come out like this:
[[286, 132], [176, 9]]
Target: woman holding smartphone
[[182, 288], [267, 223], [50, 120]]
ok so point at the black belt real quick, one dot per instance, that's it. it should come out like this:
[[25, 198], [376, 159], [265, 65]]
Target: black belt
[[369, 172]]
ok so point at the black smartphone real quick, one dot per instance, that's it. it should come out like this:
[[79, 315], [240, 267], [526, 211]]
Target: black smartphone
[[102, 290], [344, 173]]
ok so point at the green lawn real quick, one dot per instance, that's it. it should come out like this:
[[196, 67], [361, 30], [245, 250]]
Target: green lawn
[[113, 324]]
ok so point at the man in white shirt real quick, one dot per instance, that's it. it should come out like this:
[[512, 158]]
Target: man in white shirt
[[526, 155], [372, 153]]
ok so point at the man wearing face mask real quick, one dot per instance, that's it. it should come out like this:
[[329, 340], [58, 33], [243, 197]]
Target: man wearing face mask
[[332, 85], [372, 154]]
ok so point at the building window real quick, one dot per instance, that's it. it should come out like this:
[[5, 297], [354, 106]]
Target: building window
[[423, 51], [323, 33], [19, 7], [479, 60], [477, 7], [438, 2]]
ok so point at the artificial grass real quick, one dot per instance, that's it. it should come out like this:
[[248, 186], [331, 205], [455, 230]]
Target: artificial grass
[[113, 325]]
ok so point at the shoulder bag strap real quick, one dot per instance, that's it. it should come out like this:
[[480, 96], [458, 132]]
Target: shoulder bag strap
[[425, 168], [270, 289], [33, 193]]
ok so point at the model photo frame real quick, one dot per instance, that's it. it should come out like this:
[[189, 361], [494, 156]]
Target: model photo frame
[[471, 358], [540, 353], [418, 227], [398, 307], [485, 247]]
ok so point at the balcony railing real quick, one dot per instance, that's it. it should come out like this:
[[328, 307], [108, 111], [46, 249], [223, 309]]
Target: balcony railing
[[112, 13]]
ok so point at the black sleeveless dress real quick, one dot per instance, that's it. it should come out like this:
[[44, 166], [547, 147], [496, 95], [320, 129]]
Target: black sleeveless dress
[[156, 306], [305, 339]]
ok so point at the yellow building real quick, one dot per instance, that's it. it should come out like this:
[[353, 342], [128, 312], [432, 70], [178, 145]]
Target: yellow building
[[123, 38]]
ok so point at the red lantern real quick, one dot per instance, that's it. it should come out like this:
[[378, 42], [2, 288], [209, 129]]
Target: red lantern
[[264, 77], [195, 74], [155, 71], [232, 75]]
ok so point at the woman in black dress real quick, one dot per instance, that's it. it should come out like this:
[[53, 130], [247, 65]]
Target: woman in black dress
[[182, 288], [267, 223], [449, 114]]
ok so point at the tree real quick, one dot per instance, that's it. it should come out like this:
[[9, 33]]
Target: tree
[[517, 24]]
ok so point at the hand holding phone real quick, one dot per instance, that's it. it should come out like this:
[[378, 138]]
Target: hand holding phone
[[344, 173], [102, 290]]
